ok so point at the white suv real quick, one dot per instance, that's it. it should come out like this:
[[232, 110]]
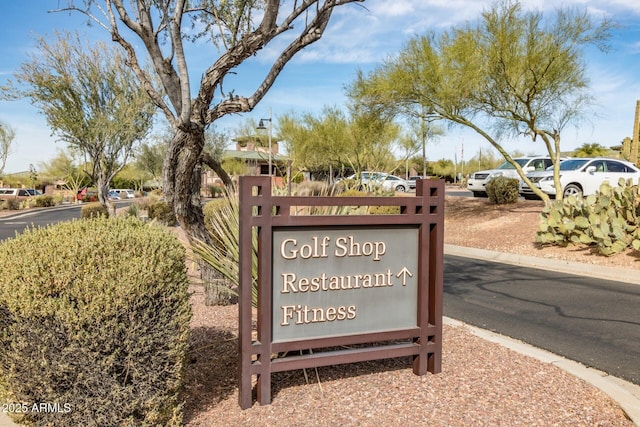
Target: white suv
[[477, 181], [581, 176]]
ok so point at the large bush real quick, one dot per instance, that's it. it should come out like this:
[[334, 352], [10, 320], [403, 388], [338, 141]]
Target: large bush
[[502, 190], [10, 204], [161, 212], [44, 201], [94, 318], [93, 210]]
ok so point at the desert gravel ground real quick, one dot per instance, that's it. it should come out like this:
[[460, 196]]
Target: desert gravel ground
[[481, 383]]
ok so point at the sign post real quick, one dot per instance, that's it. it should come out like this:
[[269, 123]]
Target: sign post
[[328, 281]]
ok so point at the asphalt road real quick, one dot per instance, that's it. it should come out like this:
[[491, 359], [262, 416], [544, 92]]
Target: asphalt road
[[18, 222], [41, 218], [592, 321]]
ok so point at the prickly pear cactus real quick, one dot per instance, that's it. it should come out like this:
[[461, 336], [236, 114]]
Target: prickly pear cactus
[[608, 220]]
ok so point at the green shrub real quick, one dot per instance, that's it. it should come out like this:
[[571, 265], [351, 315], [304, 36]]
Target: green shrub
[[144, 203], [297, 178], [100, 324], [93, 210], [132, 210], [215, 191], [161, 212], [353, 192], [11, 204], [44, 201], [502, 190]]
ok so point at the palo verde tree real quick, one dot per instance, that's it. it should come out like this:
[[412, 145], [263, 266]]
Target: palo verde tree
[[513, 74], [64, 167], [149, 157], [90, 99], [315, 143], [7, 134], [236, 31], [334, 140]]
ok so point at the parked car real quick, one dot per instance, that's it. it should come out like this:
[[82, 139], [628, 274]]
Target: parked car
[[412, 181], [366, 179], [86, 195], [581, 176], [129, 192], [393, 183], [18, 193], [113, 195], [478, 180], [365, 176]]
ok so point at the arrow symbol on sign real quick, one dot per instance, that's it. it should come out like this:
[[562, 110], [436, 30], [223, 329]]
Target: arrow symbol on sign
[[404, 273]]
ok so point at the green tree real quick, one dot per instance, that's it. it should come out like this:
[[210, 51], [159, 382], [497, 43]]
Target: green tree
[[238, 31], [235, 166], [444, 168], [149, 158], [373, 140], [334, 141], [512, 74], [316, 144], [33, 175], [130, 176], [590, 150], [91, 100], [410, 147], [425, 130], [64, 167], [7, 134]]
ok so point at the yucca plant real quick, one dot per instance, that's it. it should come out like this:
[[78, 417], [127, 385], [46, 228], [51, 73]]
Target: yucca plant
[[222, 219]]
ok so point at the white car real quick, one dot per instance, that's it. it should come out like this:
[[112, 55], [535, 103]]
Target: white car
[[130, 194], [393, 183], [581, 176], [366, 180], [477, 181]]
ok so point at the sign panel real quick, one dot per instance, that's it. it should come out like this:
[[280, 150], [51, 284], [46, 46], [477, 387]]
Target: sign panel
[[341, 281]]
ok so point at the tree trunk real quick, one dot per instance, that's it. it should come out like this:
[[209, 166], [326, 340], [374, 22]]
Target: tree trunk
[[182, 171], [103, 190]]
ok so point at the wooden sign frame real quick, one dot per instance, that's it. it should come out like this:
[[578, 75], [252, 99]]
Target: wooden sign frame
[[262, 213]]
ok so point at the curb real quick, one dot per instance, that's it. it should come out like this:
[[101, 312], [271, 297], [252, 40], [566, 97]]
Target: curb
[[561, 266]]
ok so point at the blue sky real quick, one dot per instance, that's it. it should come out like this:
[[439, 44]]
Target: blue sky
[[359, 37]]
